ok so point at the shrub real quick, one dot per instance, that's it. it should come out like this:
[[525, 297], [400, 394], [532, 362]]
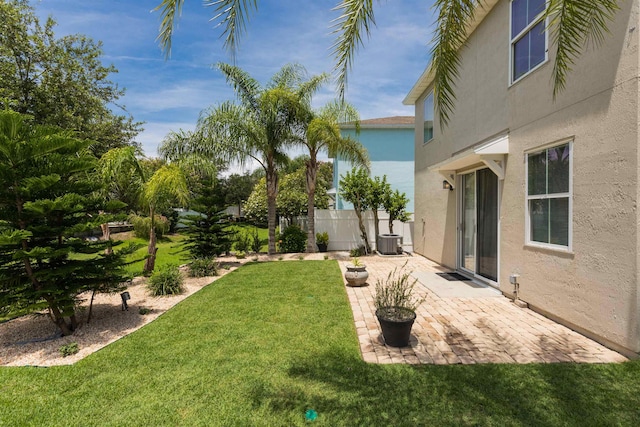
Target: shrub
[[173, 218], [242, 242], [166, 281], [142, 225], [69, 349], [359, 251], [144, 310], [202, 267], [256, 243], [293, 239]]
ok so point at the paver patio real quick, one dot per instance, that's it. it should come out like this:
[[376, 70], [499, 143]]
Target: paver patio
[[462, 323]]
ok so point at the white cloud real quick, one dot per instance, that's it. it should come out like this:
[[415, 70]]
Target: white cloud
[[190, 94], [168, 95], [155, 132]]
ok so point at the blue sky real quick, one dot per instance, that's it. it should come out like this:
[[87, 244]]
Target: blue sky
[[169, 94]]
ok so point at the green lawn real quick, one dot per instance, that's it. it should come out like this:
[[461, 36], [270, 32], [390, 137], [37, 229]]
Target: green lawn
[[266, 343], [263, 233], [170, 251]]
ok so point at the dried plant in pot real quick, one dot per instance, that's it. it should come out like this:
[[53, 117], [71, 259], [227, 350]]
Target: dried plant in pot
[[357, 273], [396, 304]]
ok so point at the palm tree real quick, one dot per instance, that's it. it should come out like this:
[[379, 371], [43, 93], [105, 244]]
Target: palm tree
[[167, 184], [323, 134], [259, 127], [574, 24]]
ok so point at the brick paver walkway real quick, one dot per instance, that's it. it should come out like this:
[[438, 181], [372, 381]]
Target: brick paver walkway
[[478, 329]]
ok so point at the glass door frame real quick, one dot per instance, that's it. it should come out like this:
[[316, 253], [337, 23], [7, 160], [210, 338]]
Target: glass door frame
[[460, 261]]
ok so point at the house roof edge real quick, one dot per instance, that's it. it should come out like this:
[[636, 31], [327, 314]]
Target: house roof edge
[[426, 78]]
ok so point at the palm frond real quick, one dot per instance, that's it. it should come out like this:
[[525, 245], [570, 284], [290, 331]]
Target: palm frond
[[227, 132], [449, 37], [167, 182], [321, 133], [357, 16], [352, 151], [170, 11], [289, 76], [246, 87], [233, 15], [575, 24], [176, 145], [306, 89], [341, 112], [118, 160], [199, 166]]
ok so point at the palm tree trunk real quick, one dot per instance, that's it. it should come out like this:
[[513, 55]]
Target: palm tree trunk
[[272, 193], [150, 263], [106, 235], [312, 173]]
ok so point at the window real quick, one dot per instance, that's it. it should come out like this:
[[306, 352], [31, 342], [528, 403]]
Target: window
[[549, 196], [528, 36], [428, 117]]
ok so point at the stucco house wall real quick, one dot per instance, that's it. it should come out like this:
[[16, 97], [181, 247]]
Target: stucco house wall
[[593, 287], [389, 142]]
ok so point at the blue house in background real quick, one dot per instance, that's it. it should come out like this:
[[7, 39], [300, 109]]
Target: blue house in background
[[389, 141]]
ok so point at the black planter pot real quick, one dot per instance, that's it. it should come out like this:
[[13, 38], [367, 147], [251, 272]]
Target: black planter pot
[[396, 333], [322, 247]]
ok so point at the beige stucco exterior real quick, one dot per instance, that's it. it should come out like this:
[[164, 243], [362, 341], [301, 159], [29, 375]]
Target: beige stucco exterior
[[594, 286]]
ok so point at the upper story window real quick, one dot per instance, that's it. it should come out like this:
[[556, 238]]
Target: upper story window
[[528, 36], [549, 197], [428, 117]]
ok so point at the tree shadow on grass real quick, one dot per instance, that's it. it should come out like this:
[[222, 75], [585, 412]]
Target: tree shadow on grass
[[346, 391]]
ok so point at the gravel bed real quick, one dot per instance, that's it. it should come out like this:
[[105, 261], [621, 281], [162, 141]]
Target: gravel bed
[[34, 341]]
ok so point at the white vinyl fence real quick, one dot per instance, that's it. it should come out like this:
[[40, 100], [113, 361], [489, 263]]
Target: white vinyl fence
[[344, 232]]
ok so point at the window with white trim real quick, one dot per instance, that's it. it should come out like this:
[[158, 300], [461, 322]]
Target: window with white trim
[[428, 117], [528, 36], [549, 197]]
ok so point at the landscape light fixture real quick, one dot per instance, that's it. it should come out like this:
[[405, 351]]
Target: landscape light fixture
[[125, 296]]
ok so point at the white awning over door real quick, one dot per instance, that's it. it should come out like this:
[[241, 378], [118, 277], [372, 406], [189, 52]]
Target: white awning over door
[[493, 154]]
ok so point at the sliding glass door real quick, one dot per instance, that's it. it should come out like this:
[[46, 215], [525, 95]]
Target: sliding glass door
[[479, 226]]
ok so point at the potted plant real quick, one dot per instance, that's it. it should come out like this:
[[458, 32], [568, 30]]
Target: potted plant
[[357, 273], [396, 305], [322, 240]]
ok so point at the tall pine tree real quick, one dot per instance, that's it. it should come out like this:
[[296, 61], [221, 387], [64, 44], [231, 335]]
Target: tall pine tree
[[48, 199], [208, 232]]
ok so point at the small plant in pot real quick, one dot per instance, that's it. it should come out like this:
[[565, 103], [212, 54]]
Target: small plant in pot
[[396, 304], [322, 240], [357, 273]]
